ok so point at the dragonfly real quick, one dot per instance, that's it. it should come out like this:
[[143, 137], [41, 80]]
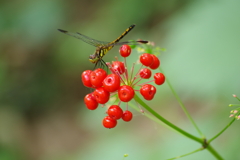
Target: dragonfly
[[102, 47]]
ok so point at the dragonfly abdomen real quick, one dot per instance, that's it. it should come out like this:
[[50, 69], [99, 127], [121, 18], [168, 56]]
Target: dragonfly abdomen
[[123, 34]]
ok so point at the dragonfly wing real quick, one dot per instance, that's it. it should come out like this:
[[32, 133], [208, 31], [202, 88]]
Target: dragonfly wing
[[91, 41], [84, 38], [129, 43]]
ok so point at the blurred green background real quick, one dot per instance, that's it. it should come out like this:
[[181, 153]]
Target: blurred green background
[[42, 115]]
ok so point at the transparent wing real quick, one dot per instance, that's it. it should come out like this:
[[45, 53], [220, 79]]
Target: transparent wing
[[86, 39], [127, 42]]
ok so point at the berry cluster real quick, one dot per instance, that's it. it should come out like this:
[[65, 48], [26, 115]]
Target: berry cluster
[[122, 83]]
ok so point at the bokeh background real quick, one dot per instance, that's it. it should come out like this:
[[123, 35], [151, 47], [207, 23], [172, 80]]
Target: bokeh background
[[42, 115]]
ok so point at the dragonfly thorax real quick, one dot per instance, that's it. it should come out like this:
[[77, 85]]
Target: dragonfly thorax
[[99, 53]]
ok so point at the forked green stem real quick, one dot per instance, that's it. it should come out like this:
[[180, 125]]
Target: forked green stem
[[155, 114]]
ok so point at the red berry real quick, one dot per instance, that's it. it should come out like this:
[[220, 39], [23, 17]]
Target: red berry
[[115, 112], [118, 67], [97, 76], [145, 73], [90, 101], [148, 91], [127, 116], [146, 59], [101, 95], [125, 50], [125, 93], [108, 122], [156, 62], [159, 78], [86, 78], [111, 83]]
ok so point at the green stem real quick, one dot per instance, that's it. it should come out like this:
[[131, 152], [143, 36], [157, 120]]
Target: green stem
[[231, 105], [238, 99], [182, 106], [150, 116], [221, 131], [149, 109], [210, 149], [187, 154]]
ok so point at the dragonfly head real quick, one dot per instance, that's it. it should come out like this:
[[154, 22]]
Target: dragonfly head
[[93, 58]]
